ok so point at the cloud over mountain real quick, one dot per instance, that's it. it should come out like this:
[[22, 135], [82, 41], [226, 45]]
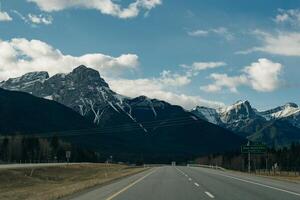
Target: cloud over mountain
[[262, 76], [4, 16], [108, 7], [19, 55]]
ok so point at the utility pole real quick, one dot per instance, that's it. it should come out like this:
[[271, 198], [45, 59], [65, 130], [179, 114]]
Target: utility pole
[[249, 159], [267, 157]]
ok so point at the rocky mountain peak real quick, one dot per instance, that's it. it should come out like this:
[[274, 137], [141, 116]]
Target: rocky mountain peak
[[25, 81], [290, 104], [86, 76], [238, 111], [31, 76]]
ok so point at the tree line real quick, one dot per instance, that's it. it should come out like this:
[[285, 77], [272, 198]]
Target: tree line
[[284, 159], [29, 149]]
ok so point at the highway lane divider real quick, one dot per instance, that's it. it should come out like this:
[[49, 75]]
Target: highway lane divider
[[207, 166], [130, 185]]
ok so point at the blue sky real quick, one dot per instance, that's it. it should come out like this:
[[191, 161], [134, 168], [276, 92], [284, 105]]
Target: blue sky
[[210, 52]]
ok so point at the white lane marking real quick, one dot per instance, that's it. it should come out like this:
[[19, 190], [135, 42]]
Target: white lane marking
[[209, 194], [186, 175], [181, 172], [260, 184], [130, 185], [197, 184], [190, 179]]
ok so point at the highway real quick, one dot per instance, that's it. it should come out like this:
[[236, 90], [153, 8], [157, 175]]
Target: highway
[[193, 183]]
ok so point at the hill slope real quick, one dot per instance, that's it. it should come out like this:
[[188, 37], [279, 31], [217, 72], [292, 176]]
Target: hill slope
[[23, 113]]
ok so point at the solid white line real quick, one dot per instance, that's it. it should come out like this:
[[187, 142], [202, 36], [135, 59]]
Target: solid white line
[[130, 185], [263, 185], [260, 184], [210, 195], [197, 184]]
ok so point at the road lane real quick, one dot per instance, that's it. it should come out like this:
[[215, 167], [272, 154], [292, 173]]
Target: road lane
[[178, 183], [162, 183], [230, 186], [166, 183]]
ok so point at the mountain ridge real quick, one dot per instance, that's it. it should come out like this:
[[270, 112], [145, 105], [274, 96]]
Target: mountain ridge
[[250, 123], [145, 126]]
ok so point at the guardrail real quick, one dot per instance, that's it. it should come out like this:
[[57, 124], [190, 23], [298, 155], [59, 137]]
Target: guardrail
[[207, 166]]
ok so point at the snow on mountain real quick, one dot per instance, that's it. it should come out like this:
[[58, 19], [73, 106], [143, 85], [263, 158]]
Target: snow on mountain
[[209, 114], [239, 111], [83, 90], [86, 92], [281, 111], [245, 120], [28, 80]]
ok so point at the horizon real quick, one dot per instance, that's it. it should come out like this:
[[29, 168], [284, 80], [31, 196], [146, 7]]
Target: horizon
[[207, 53], [217, 108]]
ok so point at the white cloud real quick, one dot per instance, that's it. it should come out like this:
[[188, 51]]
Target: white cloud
[[198, 33], [108, 7], [283, 43], [19, 56], [155, 89], [4, 16], [263, 76], [173, 79], [207, 65], [162, 87], [291, 16], [33, 19], [40, 19], [220, 31], [196, 67], [224, 81]]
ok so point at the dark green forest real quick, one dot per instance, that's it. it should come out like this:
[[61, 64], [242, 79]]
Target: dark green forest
[[282, 159], [28, 149]]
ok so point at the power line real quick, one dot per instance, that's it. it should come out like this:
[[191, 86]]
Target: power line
[[116, 130]]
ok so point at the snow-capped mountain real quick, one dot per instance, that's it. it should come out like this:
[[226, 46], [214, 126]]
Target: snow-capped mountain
[[133, 127], [247, 121], [209, 114], [289, 112], [86, 92], [242, 110], [83, 90]]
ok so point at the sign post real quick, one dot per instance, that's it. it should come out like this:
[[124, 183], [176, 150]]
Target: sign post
[[254, 149], [68, 155]]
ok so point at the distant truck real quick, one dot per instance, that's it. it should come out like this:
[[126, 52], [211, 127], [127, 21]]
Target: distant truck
[[173, 163]]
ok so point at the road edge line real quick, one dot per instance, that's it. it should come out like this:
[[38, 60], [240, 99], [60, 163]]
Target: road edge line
[[129, 186]]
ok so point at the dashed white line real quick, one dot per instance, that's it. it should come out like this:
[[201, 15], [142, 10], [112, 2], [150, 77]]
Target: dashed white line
[[190, 179], [259, 184], [209, 194], [197, 184]]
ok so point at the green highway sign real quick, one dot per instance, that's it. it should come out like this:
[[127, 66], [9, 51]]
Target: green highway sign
[[255, 149]]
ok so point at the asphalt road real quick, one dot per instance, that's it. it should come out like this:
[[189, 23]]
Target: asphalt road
[[189, 183]]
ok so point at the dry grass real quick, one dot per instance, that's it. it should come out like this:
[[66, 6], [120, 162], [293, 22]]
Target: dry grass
[[284, 176], [56, 182]]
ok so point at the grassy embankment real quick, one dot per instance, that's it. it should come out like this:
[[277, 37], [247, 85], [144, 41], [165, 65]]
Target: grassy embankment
[[55, 182]]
